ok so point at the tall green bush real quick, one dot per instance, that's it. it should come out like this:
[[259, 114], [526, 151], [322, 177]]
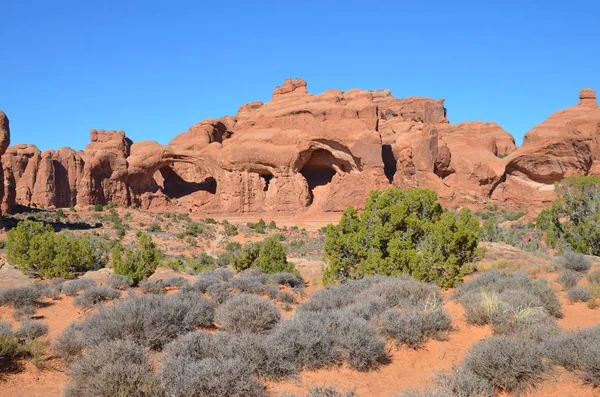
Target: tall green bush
[[269, 255], [35, 248], [573, 220], [402, 232], [138, 262]]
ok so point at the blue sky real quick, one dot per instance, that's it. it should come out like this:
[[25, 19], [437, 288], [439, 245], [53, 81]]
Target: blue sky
[[153, 68]]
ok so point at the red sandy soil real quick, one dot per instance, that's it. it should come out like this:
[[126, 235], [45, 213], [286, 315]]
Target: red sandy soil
[[408, 368]]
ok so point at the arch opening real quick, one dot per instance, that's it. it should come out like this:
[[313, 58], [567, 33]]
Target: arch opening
[[319, 171], [389, 162], [267, 180], [174, 186]]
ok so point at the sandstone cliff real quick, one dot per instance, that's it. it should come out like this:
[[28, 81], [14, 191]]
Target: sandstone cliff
[[320, 152]]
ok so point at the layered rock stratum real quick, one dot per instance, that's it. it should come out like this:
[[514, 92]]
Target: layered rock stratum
[[302, 152]]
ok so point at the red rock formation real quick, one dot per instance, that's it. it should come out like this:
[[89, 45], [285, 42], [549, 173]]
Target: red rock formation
[[323, 152], [4, 142], [567, 143]]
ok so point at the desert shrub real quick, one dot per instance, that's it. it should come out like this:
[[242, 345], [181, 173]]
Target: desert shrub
[[209, 378], [201, 285], [507, 363], [323, 391], [459, 382], [219, 292], [201, 263], [149, 320], [230, 229], [578, 294], [225, 259], [31, 330], [223, 274], [20, 297], [248, 313], [317, 340], [119, 281], [194, 229], [71, 342], [395, 291], [37, 249], [492, 292], [136, 263], [258, 227], [285, 297], [359, 343], [402, 232], [412, 327], [183, 369], [19, 344], [73, 287], [252, 281], [577, 351], [308, 338], [568, 278], [576, 262], [594, 277], [573, 220], [272, 257], [264, 358], [247, 256], [96, 295], [115, 368], [287, 279]]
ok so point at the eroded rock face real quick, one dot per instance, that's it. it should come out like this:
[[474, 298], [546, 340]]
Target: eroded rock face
[[4, 142], [321, 152], [566, 144]]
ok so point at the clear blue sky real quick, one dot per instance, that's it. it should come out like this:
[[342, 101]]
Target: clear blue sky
[[153, 68]]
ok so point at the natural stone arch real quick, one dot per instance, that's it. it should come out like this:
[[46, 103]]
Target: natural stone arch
[[321, 162]]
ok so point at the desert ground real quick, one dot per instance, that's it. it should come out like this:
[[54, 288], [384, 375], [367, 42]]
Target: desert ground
[[407, 368]]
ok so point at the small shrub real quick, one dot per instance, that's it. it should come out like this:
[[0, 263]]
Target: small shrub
[[71, 342], [151, 286], [219, 293], [194, 229], [209, 378], [308, 339], [578, 294], [230, 229], [154, 228], [248, 313], [493, 292], [572, 222], [360, 346], [72, 288], [594, 277], [459, 382], [412, 327], [31, 330], [287, 279], [116, 368], [576, 262], [507, 363], [96, 295], [324, 391], [119, 281], [577, 350], [149, 320], [136, 263], [20, 297], [568, 278]]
